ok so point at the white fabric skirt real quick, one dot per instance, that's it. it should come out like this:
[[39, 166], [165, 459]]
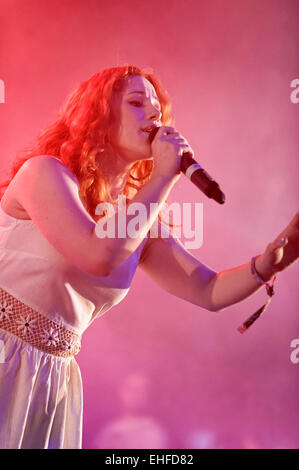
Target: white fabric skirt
[[40, 381]]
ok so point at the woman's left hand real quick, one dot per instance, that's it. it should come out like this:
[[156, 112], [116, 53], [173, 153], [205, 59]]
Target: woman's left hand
[[282, 252]]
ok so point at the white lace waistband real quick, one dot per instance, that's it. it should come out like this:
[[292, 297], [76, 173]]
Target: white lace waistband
[[34, 328]]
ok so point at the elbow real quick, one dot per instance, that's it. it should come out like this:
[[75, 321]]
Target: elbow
[[216, 308], [212, 308], [102, 270], [99, 269], [207, 306], [212, 304], [103, 273]]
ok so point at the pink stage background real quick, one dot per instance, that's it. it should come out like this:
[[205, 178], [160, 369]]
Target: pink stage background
[[157, 371]]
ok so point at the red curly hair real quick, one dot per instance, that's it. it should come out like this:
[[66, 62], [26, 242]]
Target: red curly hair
[[81, 133]]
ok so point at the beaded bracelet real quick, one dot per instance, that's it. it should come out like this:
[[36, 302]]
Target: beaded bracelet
[[270, 292]]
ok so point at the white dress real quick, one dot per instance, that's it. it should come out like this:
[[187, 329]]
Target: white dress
[[40, 392]]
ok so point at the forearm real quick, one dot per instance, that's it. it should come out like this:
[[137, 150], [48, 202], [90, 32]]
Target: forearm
[[231, 286], [119, 247]]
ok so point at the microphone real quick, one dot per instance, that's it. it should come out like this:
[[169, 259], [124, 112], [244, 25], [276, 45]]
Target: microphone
[[197, 174]]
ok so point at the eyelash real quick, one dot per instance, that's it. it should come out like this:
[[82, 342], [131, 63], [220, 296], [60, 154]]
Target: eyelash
[[135, 103], [138, 104]]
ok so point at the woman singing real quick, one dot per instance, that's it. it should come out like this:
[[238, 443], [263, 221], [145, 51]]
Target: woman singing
[[57, 275]]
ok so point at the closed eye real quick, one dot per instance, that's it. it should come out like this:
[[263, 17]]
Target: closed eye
[[136, 103]]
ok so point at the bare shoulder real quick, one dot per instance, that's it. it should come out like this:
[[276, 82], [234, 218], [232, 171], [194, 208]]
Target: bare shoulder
[[37, 173], [44, 163], [43, 174], [49, 193]]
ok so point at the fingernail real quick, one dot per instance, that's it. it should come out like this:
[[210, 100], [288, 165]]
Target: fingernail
[[282, 240]]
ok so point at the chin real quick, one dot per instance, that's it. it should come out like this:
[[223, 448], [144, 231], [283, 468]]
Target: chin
[[145, 157], [139, 155], [146, 154]]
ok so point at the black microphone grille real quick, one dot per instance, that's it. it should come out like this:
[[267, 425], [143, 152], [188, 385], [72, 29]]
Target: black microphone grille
[[152, 134]]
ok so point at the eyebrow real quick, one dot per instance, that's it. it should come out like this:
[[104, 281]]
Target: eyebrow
[[141, 93]]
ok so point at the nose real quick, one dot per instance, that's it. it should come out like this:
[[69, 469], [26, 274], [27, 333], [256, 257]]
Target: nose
[[153, 113]]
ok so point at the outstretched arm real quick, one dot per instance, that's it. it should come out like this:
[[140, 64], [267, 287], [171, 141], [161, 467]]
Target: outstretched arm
[[178, 272]]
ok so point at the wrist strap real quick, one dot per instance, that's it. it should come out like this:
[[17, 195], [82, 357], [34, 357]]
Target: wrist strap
[[254, 271], [270, 292]]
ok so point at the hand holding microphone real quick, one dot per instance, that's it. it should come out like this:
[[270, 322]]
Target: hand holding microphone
[[167, 147], [188, 165]]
